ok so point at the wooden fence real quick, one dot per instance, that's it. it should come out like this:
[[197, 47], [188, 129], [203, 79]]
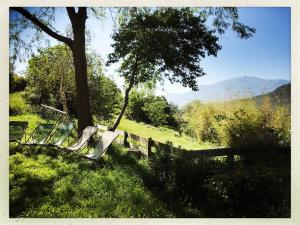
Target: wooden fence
[[144, 146]]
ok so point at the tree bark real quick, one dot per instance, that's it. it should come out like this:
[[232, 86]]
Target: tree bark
[[125, 104], [78, 49], [131, 82]]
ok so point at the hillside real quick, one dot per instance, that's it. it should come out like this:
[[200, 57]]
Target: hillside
[[280, 96], [228, 89]]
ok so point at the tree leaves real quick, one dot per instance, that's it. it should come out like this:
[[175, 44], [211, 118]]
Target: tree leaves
[[166, 42]]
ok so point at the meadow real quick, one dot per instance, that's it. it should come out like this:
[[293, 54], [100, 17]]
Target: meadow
[[47, 182], [81, 82]]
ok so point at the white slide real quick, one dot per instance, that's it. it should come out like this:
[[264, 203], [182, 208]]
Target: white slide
[[87, 133], [105, 141]]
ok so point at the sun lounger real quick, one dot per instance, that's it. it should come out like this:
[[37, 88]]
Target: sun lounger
[[86, 134], [40, 134], [60, 134], [17, 130], [105, 141]]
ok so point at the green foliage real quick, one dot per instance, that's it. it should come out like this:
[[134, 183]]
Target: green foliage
[[50, 75], [199, 120], [16, 84], [51, 80], [281, 124], [256, 187], [156, 112], [239, 123], [17, 104], [181, 38], [105, 97], [148, 108], [135, 109]]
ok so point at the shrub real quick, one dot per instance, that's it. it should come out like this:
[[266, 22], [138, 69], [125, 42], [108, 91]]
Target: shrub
[[16, 83], [224, 188], [281, 124], [151, 109], [240, 128], [17, 104], [239, 123], [200, 122]]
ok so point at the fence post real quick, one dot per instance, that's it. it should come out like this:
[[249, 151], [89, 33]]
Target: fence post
[[149, 145], [125, 139]]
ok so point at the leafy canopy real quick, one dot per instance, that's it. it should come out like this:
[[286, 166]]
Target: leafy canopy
[[51, 71], [167, 42]]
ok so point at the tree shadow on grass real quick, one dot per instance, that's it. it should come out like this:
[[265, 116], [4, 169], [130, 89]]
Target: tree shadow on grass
[[255, 185]]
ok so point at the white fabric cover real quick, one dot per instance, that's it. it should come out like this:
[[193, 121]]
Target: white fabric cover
[[105, 141], [87, 133]]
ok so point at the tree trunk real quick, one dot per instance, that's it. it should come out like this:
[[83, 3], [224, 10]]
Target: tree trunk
[[77, 46], [117, 122], [78, 49]]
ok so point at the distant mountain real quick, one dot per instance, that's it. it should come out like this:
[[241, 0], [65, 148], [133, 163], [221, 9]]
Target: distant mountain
[[235, 88], [280, 96]]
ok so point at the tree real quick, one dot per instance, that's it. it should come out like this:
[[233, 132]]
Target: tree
[[77, 46], [50, 77], [156, 111], [16, 83], [169, 43], [135, 110]]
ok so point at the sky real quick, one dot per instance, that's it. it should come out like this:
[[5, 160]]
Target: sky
[[266, 55]]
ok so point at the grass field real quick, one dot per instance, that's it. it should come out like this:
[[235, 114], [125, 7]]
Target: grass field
[[47, 182], [162, 134]]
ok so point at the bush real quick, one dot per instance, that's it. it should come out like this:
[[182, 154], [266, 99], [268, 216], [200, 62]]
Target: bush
[[241, 128], [239, 123], [200, 122], [151, 109], [259, 187], [17, 104], [16, 83], [51, 81], [281, 124]]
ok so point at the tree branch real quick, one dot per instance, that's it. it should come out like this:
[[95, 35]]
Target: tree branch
[[42, 26]]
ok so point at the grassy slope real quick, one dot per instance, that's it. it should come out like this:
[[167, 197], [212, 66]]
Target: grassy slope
[[162, 134], [48, 183], [45, 182], [159, 134]]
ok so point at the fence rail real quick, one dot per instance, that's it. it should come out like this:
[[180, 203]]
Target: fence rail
[[144, 145]]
